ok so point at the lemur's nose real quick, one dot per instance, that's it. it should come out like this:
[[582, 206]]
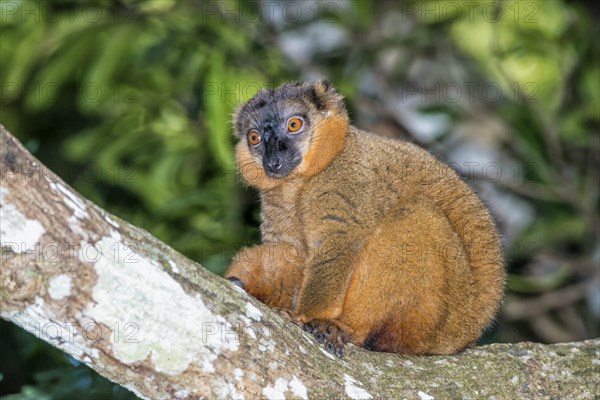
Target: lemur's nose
[[274, 165]]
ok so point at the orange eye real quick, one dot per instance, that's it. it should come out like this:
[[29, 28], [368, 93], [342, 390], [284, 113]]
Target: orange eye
[[254, 138], [294, 124]]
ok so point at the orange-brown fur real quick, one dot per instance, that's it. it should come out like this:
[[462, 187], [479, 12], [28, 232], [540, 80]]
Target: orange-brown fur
[[377, 237]]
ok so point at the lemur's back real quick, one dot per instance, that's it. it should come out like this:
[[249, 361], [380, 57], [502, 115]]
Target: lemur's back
[[411, 172]]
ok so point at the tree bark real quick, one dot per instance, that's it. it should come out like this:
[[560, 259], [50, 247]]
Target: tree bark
[[144, 316]]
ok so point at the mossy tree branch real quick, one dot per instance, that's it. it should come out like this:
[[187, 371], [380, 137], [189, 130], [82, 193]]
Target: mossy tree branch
[[141, 314]]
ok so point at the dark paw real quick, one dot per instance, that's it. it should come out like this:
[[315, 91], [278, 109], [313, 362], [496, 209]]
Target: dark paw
[[329, 334], [237, 282]]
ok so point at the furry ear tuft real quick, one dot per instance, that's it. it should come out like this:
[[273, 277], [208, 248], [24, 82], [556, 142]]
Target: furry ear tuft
[[325, 97], [322, 87]]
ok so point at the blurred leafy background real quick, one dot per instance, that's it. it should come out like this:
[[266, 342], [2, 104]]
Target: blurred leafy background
[[130, 103]]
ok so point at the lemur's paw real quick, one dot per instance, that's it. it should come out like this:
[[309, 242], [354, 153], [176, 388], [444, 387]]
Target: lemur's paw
[[237, 282], [291, 316], [330, 334]]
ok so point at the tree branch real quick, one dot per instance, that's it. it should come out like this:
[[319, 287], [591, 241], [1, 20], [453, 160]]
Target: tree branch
[[141, 314]]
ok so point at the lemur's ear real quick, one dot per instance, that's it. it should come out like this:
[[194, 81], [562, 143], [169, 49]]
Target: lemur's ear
[[326, 98]]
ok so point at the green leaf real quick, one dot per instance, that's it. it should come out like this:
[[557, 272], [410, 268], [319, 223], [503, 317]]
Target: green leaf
[[50, 82], [26, 53], [539, 284], [218, 108], [110, 50]]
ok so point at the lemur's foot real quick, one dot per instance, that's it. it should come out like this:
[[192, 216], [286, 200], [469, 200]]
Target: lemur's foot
[[291, 316], [330, 334], [237, 282]]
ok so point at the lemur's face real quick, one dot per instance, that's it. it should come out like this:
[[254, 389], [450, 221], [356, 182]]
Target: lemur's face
[[276, 126], [294, 131]]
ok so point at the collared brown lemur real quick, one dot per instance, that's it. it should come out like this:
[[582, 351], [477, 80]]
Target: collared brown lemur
[[365, 240]]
